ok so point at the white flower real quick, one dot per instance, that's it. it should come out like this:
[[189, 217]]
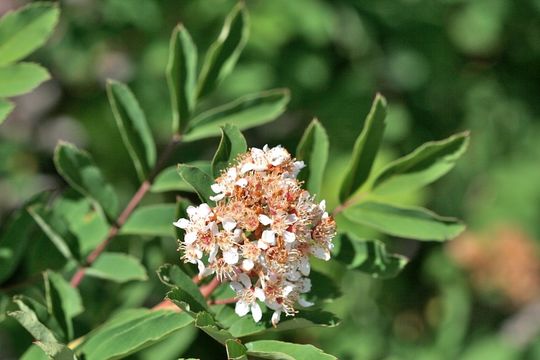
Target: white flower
[[248, 296]]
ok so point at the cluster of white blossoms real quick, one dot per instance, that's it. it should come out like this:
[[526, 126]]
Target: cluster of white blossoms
[[260, 234]]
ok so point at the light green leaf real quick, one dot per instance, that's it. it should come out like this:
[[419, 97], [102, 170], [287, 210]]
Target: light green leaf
[[313, 149], [246, 112], [232, 143], [173, 276], [365, 149], [133, 127], [407, 222], [181, 76], [6, 107], [18, 79], [151, 220], [199, 181], [130, 332], [78, 169], [206, 323], [421, 167], [224, 52], [24, 30], [369, 256], [170, 180], [34, 352], [45, 339], [273, 349], [187, 300], [235, 350], [117, 267]]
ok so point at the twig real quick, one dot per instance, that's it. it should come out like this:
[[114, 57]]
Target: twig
[[128, 210], [207, 290], [223, 301]]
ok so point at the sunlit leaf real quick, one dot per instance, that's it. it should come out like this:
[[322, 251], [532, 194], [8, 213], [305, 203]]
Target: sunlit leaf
[[187, 300], [206, 323], [232, 143], [18, 79], [170, 180], [235, 350], [133, 127], [365, 149], [151, 220], [117, 267], [313, 150], [273, 349]]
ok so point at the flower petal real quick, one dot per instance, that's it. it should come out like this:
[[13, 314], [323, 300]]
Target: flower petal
[[231, 256], [241, 308], [276, 317], [182, 223], [305, 303], [289, 236], [247, 264], [265, 220], [256, 312], [269, 237], [190, 237], [228, 224], [259, 293]]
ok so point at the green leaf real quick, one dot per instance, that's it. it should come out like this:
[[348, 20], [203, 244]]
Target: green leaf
[[151, 220], [24, 30], [117, 267], [187, 300], [232, 143], [365, 149], [246, 112], [34, 352], [133, 127], [370, 256], [44, 338], [206, 323], [63, 301], [273, 349], [199, 181], [245, 326], [56, 230], [6, 107], [181, 76], [170, 180], [130, 332], [78, 169], [18, 79], [313, 149], [323, 288], [423, 166], [235, 350], [173, 276], [224, 52], [407, 222]]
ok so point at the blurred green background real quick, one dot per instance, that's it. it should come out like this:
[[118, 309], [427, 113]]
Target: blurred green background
[[444, 65]]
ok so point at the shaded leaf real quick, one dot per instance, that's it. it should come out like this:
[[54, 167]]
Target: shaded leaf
[[224, 52], [206, 323], [181, 76], [6, 107], [232, 143], [187, 300], [170, 180], [246, 112], [173, 276], [407, 222], [133, 127], [130, 332], [423, 166], [24, 30], [235, 350], [117, 267], [313, 149], [78, 169], [365, 149], [199, 181], [18, 79], [151, 220], [273, 349]]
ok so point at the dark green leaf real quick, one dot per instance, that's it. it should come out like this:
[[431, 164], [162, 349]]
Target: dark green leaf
[[365, 149], [273, 349], [6, 107], [78, 169], [173, 276], [170, 180], [407, 222], [224, 52], [151, 220], [187, 300], [370, 256], [423, 166], [130, 332], [117, 267], [206, 323], [199, 181], [235, 350], [181, 76], [313, 149], [18, 79], [24, 30], [232, 143], [133, 127], [323, 288], [246, 112]]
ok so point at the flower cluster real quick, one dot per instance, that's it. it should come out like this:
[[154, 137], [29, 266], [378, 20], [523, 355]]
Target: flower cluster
[[260, 234]]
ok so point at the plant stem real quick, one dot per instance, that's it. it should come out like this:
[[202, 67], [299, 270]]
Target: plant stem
[[207, 290], [223, 301], [128, 210]]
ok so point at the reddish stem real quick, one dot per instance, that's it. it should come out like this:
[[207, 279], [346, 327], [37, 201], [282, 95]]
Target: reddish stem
[[207, 290], [223, 301]]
